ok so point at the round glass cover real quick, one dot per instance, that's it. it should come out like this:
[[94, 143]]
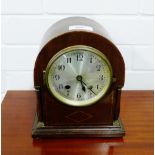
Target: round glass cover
[[78, 75]]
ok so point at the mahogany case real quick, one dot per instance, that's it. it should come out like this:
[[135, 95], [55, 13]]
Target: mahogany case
[[52, 115]]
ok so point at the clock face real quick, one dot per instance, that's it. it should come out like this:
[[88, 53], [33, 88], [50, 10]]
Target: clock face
[[78, 75]]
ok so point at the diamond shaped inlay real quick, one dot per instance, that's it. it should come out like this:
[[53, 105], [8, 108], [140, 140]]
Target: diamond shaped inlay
[[79, 116]]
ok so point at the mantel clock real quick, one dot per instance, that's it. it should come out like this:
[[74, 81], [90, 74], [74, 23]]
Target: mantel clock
[[78, 76]]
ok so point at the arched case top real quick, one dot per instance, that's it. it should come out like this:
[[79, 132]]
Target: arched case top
[[81, 38], [73, 24]]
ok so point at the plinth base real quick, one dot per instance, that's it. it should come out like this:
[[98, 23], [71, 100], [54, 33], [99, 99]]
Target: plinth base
[[41, 131]]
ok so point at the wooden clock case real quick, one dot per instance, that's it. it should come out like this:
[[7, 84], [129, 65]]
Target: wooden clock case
[[55, 119]]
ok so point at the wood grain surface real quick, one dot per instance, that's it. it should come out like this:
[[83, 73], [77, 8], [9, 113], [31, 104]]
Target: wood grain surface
[[18, 110]]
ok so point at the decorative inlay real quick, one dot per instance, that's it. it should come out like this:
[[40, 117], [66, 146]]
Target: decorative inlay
[[79, 116]]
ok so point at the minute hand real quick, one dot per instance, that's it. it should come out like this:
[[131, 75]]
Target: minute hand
[[87, 87]]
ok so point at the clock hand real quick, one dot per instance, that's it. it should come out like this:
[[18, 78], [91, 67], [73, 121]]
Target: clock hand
[[83, 87], [79, 78], [88, 87]]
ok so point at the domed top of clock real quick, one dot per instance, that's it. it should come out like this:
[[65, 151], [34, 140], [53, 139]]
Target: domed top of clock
[[73, 24]]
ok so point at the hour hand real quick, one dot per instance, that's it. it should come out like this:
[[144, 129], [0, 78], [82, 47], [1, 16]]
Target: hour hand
[[79, 78], [83, 87]]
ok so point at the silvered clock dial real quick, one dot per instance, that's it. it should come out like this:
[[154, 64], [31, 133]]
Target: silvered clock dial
[[78, 75]]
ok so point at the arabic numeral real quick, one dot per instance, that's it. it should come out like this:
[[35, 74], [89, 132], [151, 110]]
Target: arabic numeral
[[69, 60], [61, 67], [80, 57], [57, 77], [91, 60], [79, 96], [98, 67], [101, 77], [68, 92], [60, 86]]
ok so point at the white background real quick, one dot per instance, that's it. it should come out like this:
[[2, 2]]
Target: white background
[[129, 23]]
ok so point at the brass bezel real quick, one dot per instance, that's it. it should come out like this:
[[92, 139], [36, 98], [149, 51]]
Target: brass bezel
[[73, 102]]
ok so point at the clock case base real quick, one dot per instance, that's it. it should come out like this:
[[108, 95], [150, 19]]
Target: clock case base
[[41, 131]]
